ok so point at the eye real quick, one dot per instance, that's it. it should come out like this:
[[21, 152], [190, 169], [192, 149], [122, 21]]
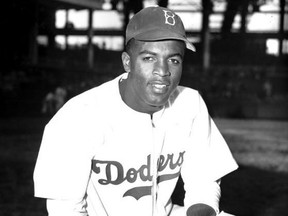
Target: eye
[[148, 58], [175, 61]]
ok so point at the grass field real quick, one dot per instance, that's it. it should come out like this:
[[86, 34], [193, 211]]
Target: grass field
[[258, 188]]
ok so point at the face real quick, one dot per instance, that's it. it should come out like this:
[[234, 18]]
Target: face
[[154, 70]]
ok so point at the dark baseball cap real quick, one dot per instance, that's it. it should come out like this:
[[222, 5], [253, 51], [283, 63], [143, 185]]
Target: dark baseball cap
[[156, 23]]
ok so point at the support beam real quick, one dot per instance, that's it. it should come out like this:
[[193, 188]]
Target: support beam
[[90, 42], [281, 26], [206, 35], [66, 26], [92, 4], [33, 48]]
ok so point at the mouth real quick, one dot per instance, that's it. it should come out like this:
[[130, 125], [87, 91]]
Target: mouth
[[160, 87]]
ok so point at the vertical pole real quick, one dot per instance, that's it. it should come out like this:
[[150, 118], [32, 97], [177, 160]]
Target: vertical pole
[[33, 38], [66, 28], [244, 12], [90, 37], [281, 26], [206, 35], [50, 13]]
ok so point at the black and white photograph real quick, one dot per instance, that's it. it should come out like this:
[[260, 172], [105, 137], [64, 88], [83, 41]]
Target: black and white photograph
[[144, 108]]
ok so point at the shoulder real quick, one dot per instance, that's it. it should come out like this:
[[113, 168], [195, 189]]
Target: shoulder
[[88, 105], [187, 102], [94, 97], [185, 96]]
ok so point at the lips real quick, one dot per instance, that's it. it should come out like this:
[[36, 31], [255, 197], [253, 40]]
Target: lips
[[160, 87]]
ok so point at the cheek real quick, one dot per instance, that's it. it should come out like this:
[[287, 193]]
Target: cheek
[[138, 78], [176, 76], [141, 73]]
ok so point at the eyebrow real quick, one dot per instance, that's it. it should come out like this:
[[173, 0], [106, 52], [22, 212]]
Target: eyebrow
[[155, 54]]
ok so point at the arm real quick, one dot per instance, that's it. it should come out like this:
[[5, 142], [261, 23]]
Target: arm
[[203, 199], [63, 166], [66, 208], [207, 160], [201, 210]]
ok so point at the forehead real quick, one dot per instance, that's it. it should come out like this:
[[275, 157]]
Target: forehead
[[161, 47]]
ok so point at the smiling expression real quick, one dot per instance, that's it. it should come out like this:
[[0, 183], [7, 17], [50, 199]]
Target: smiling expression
[[154, 70]]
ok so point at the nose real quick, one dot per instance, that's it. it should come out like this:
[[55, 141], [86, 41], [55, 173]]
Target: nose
[[161, 68]]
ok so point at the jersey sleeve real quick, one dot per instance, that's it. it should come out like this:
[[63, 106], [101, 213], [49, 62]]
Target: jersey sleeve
[[66, 207], [63, 165], [207, 160]]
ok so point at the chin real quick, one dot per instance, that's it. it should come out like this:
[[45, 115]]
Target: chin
[[159, 103]]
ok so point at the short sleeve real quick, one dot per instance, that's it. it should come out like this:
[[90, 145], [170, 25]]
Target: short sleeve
[[64, 161], [208, 157]]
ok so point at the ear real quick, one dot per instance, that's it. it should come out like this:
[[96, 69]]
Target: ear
[[126, 61]]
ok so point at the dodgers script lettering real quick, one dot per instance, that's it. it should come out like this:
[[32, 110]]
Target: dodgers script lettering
[[115, 174], [132, 174]]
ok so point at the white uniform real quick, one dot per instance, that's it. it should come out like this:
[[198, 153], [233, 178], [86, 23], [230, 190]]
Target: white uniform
[[99, 157]]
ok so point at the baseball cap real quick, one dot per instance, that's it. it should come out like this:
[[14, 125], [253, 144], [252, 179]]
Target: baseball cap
[[156, 23]]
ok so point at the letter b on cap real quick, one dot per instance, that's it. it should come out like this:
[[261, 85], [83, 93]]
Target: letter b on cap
[[169, 17]]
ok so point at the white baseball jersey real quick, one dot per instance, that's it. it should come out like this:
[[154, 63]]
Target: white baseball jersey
[[109, 159]]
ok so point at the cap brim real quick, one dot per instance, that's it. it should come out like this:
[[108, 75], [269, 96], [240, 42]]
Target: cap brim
[[158, 35]]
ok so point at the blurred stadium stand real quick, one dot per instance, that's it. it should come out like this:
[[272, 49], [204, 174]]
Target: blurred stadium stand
[[232, 68]]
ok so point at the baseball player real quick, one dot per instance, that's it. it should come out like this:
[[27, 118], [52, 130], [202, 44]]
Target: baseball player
[[119, 148]]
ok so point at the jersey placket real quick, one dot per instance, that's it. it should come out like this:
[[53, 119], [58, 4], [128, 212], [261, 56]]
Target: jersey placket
[[158, 137]]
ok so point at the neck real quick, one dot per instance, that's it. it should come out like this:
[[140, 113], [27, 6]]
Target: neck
[[127, 96]]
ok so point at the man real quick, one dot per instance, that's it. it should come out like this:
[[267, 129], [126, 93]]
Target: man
[[118, 149]]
